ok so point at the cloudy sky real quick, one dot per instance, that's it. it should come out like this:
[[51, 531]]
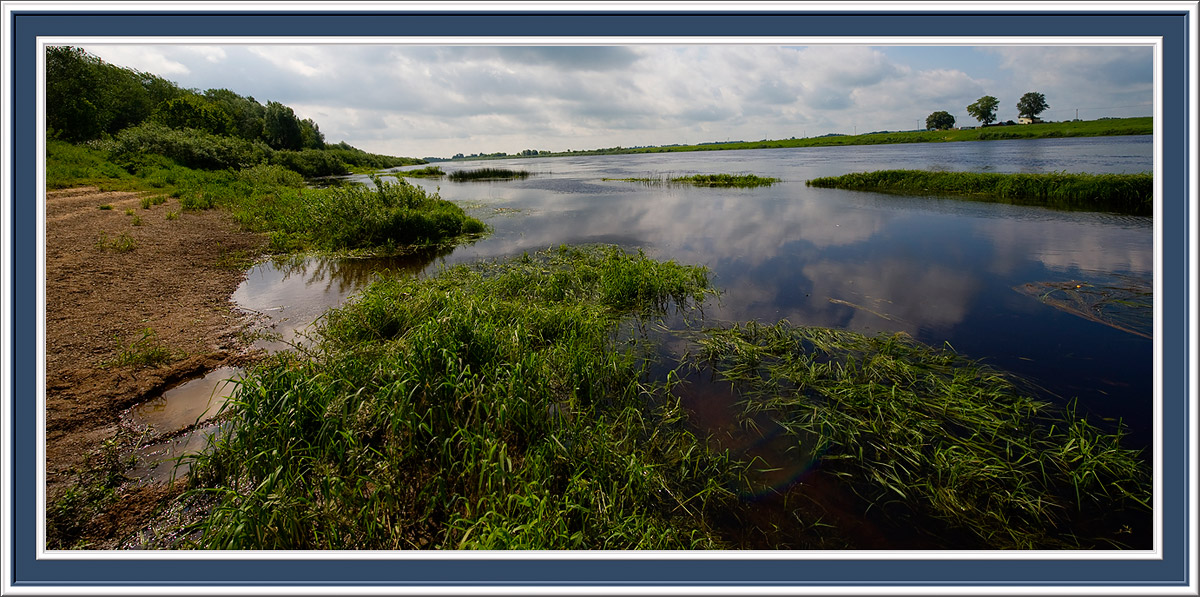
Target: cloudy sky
[[441, 100]]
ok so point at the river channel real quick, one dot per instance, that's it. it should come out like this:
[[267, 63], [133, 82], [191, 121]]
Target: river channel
[[976, 276]]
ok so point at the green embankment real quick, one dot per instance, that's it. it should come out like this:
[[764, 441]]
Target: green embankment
[[391, 217], [1089, 128], [1123, 193]]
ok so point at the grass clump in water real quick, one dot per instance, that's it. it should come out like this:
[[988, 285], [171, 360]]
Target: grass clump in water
[[925, 434], [726, 180], [1124, 193], [487, 174], [708, 180], [426, 172], [487, 407]]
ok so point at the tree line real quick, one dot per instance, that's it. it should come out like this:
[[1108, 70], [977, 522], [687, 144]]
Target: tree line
[[984, 110], [88, 99]]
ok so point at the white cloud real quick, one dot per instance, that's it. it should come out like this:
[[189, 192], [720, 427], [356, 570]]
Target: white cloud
[[440, 100]]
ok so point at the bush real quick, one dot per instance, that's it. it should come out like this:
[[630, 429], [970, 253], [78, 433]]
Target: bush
[[134, 147], [310, 162]]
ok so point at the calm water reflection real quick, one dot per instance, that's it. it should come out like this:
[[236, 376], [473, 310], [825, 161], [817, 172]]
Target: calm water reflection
[[941, 270]]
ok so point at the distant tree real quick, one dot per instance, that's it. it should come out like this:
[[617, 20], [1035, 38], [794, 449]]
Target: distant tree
[[984, 109], [281, 128], [939, 121], [1031, 104]]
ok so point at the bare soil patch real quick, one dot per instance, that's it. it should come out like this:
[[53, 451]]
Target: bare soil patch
[[176, 280]]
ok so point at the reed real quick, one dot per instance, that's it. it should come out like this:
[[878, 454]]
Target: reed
[[487, 174], [1124, 193]]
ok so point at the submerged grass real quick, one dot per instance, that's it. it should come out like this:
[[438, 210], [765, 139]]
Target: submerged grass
[[919, 433], [487, 174], [490, 407], [1124, 193]]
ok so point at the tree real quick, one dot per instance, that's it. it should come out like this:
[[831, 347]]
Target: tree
[[1031, 104], [984, 109], [281, 128], [939, 121], [195, 112]]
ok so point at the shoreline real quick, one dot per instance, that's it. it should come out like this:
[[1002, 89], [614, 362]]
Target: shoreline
[[177, 281]]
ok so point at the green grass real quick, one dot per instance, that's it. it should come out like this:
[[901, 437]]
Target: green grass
[[426, 172], [1124, 193], [144, 351], [490, 407], [710, 180], [387, 218], [925, 435], [123, 243], [1090, 128], [487, 174]]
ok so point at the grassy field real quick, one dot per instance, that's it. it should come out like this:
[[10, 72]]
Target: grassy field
[[1124, 193], [1088, 128], [274, 200]]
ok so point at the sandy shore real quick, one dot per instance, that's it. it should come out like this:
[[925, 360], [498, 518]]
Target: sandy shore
[[176, 281]]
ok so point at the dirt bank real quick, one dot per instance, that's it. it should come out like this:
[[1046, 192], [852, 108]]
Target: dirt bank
[[176, 280]]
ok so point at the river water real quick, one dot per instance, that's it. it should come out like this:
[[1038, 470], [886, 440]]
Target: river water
[[977, 276]]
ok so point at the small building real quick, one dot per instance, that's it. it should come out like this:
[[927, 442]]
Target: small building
[[1028, 120]]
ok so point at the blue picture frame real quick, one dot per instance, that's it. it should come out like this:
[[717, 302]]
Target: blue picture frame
[[865, 573]]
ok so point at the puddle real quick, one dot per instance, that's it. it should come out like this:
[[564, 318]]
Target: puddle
[[291, 294], [158, 462], [185, 405]]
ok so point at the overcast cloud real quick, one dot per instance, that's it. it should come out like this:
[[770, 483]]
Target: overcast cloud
[[441, 100]]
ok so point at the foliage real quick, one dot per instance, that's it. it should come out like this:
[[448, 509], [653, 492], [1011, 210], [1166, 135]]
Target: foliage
[[1031, 104], [195, 112], [87, 98], [984, 109], [483, 408], [188, 147], [939, 121], [1125, 193], [310, 162]]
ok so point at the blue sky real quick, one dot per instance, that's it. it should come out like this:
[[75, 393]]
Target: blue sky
[[440, 100]]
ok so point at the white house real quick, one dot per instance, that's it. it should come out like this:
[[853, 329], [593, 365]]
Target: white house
[[1028, 120]]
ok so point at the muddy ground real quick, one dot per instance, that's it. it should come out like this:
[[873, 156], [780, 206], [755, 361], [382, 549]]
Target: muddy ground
[[176, 280]]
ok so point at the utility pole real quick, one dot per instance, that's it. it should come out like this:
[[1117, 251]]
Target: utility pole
[[1076, 113]]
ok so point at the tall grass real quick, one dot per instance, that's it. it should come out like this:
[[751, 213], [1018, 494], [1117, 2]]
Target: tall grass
[[492, 407], [1125, 193], [921, 433], [487, 174]]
